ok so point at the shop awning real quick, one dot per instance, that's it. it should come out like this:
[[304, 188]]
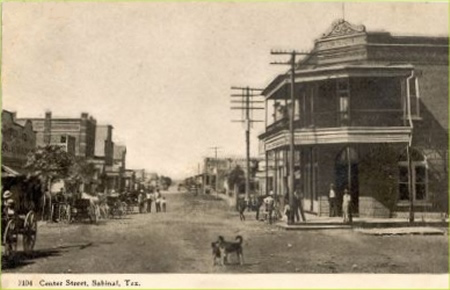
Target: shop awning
[[9, 172]]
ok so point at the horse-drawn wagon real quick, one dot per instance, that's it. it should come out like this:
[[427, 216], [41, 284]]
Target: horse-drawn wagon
[[117, 207], [21, 196]]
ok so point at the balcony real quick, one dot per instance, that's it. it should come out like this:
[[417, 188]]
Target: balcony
[[361, 126], [359, 118]]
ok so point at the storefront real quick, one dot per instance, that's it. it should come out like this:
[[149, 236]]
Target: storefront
[[361, 98]]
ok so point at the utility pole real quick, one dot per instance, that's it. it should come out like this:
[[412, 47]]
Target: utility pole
[[292, 63], [215, 148], [246, 106]]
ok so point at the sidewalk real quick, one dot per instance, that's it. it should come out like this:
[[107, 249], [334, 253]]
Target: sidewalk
[[396, 225]]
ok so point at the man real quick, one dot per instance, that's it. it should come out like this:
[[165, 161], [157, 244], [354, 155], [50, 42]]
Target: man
[[295, 207], [157, 198], [269, 203], [332, 201], [242, 205], [149, 197], [259, 203], [346, 199], [141, 201]]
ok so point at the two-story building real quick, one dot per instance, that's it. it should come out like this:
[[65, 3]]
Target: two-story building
[[360, 99], [18, 139], [76, 135]]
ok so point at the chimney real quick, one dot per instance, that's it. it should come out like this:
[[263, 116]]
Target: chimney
[[47, 127]]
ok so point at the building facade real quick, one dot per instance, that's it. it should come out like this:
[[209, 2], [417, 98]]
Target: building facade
[[75, 134], [216, 170], [364, 104], [18, 139]]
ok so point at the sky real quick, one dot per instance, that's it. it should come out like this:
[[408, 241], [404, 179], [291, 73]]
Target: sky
[[161, 73]]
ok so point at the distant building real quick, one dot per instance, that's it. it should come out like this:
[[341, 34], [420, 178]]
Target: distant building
[[104, 158], [74, 134], [215, 171], [117, 170], [18, 139], [360, 98]]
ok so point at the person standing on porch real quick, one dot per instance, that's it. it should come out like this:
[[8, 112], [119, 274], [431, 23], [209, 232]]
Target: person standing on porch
[[332, 201], [346, 199]]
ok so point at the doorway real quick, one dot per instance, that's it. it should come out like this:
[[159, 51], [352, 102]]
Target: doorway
[[346, 174]]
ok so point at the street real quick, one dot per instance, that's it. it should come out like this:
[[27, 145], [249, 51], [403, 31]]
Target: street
[[179, 241]]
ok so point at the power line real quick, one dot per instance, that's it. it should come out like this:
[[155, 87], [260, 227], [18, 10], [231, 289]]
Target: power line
[[247, 106], [292, 63]]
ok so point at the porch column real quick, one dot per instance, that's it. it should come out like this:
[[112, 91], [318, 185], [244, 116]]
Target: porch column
[[267, 171], [275, 172], [311, 180], [349, 170]]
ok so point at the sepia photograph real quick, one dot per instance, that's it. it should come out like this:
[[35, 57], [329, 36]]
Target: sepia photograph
[[198, 140]]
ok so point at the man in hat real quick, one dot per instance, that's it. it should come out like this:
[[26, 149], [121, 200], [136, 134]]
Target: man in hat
[[8, 202], [269, 203], [141, 201]]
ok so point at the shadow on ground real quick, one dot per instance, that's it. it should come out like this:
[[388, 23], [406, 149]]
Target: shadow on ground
[[21, 259]]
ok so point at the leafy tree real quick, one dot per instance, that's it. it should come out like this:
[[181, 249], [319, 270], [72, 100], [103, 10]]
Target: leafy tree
[[236, 178], [50, 163], [81, 172], [165, 181]]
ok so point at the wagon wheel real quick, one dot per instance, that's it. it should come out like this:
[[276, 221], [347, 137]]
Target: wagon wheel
[[124, 208], [10, 238], [92, 214], [64, 215], [29, 232]]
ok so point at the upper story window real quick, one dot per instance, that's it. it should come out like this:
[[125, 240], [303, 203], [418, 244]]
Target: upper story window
[[343, 93], [414, 95], [63, 139]]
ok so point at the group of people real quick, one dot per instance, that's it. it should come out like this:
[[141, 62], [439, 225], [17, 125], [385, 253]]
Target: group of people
[[346, 204], [268, 206], [146, 199]]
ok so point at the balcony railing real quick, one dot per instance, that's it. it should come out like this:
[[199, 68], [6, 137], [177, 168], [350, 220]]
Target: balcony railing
[[357, 118]]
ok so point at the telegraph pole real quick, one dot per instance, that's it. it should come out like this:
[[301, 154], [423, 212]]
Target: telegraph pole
[[292, 63], [247, 105]]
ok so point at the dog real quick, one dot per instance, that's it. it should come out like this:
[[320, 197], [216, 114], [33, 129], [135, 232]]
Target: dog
[[216, 253], [226, 248]]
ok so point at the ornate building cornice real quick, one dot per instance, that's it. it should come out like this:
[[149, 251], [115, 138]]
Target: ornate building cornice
[[343, 28]]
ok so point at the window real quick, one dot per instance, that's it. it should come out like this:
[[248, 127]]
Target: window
[[419, 177], [343, 94], [414, 96], [63, 139]]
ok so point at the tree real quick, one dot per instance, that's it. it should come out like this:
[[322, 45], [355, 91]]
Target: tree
[[165, 181], [81, 172], [236, 178], [50, 163]]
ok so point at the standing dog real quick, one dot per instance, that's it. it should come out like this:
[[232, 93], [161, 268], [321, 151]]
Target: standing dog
[[215, 253], [226, 248]]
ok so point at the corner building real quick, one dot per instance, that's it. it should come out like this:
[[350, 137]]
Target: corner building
[[360, 98]]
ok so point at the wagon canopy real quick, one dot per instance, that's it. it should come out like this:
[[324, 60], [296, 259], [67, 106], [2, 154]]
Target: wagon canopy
[[26, 190], [8, 172]]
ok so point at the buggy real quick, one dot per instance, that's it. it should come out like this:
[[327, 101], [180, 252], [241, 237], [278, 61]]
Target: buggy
[[21, 196], [82, 209], [117, 208]]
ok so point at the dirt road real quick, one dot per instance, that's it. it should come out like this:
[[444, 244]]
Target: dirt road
[[179, 241]]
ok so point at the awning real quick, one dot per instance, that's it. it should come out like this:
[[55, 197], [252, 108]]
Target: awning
[[9, 172]]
